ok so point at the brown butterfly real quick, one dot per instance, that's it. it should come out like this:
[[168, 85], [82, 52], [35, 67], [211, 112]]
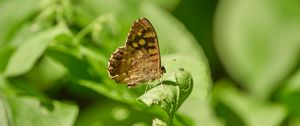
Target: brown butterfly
[[139, 61]]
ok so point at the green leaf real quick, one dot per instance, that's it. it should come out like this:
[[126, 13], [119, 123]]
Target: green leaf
[[28, 111], [175, 39], [77, 68], [182, 120], [248, 110], [167, 4], [5, 87], [171, 94], [258, 47], [31, 50], [293, 83], [5, 54], [294, 121], [3, 113], [158, 122], [112, 90], [112, 113], [167, 27], [196, 106], [290, 93], [46, 73], [12, 18]]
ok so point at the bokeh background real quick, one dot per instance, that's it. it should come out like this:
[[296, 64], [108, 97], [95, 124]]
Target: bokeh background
[[243, 57]]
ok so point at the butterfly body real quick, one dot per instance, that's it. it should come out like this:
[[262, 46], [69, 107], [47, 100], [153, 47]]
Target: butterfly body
[[139, 60]]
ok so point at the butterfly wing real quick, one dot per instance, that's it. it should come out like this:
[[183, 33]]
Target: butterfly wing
[[139, 61]]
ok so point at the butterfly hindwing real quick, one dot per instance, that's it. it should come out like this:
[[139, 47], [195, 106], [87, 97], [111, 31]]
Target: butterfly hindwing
[[139, 61]]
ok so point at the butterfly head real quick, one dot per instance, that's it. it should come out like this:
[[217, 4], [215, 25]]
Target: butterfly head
[[163, 69]]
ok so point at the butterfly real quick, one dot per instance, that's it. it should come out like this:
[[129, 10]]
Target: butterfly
[[139, 60]]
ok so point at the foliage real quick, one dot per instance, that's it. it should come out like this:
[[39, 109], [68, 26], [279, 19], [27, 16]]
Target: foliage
[[54, 53], [259, 49], [54, 57]]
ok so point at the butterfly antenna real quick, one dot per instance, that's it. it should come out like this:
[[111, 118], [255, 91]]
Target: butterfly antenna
[[164, 62], [164, 71]]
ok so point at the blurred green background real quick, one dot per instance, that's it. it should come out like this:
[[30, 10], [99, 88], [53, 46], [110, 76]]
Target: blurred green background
[[243, 57]]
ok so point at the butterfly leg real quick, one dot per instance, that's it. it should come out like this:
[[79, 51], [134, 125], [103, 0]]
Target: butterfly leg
[[163, 87], [146, 89]]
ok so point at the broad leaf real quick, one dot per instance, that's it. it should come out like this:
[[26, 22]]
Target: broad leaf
[[258, 47], [31, 50]]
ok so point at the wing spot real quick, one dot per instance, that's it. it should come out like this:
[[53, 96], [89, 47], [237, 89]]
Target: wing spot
[[142, 42], [139, 33], [150, 44], [134, 44], [149, 35], [152, 51]]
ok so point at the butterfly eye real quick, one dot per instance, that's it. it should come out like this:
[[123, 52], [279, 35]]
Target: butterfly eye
[[143, 31]]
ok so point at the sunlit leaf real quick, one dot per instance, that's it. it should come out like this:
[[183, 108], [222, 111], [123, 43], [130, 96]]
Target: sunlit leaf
[[28, 53], [11, 17], [258, 47], [170, 94], [19, 108]]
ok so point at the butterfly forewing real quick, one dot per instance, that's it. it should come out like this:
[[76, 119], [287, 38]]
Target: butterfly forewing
[[139, 61]]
